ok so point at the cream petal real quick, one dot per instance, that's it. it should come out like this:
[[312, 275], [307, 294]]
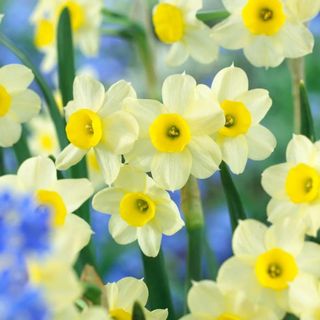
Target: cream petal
[[191, 5], [248, 238], [235, 153], [74, 192], [261, 142], [258, 102], [300, 149], [88, 93], [149, 239], [233, 5], [69, 156], [230, 83], [171, 170], [89, 42], [108, 200], [10, 132], [120, 132], [305, 10], [178, 92], [309, 259], [274, 180], [196, 317], [25, 105], [158, 314], [131, 179], [155, 192], [15, 77], [177, 55], [205, 297], [206, 156], [109, 163], [120, 231], [11, 182], [278, 210]]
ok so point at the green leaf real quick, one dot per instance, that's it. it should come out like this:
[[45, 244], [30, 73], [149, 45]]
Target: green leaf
[[212, 17], [236, 210], [92, 293], [21, 148], [290, 316], [2, 168], [137, 312], [307, 125]]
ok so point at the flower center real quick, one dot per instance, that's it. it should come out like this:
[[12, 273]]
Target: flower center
[[275, 269], [264, 17], [77, 14], [44, 34], [5, 101], [168, 23], [55, 203], [120, 314], [302, 183], [170, 133], [137, 209], [84, 129], [237, 118], [228, 316], [47, 142]]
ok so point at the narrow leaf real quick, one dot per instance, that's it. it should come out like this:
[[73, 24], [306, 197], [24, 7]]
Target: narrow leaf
[[212, 17], [21, 148], [137, 312]]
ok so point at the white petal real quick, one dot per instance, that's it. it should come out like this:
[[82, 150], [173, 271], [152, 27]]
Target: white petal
[[131, 179], [15, 77], [274, 180], [206, 156], [25, 105], [233, 5], [177, 54], [69, 156], [305, 10], [235, 153], [89, 42], [261, 142], [178, 92], [248, 238], [191, 5], [109, 163], [309, 258], [149, 239], [88, 93], [278, 210], [300, 149], [158, 314], [120, 231], [11, 182], [37, 173], [168, 217], [108, 200], [230, 83], [120, 132], [10, 132], [205, 297], [171, 170], [74, 192], [258, 102]]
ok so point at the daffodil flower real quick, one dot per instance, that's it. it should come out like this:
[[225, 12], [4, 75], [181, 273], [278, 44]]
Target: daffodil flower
[[267, 261], [174, 139], [176, 24], [242, 137], [268, 31], [294, 185], [95, 120], [18, 103], [140, 210]]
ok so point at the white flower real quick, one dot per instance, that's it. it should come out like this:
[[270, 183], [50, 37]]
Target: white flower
[[139, 210], [268, 31], [18, 104], [206, 300], [267, 261], [94, 170], [242, 137], [176, 24], [174, 139], [86, 18], [95, 119], [294, 185]]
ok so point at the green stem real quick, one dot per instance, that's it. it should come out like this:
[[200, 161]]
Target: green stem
[[47, 92], [157, 281], [2, 167], [212, 263], [236, 210], [21, 148], [212, 16]]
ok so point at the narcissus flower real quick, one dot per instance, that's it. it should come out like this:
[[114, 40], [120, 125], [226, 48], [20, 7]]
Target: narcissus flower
[[268, 261], [17, 103], [174, 139], [176, 24], [294, 185], [95, 120], [139, 210], [206, 300], [268, 31], [242, 137], [86, 18]]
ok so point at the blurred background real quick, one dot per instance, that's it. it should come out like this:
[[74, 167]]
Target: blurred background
[[119, 59]]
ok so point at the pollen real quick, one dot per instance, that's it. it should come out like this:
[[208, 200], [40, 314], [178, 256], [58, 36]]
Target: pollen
[[5, 101]]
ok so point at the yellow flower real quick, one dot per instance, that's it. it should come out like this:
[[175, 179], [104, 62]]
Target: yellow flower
[[294, 185], [175, 24], [18, 104], [139, 209], [268, 31]]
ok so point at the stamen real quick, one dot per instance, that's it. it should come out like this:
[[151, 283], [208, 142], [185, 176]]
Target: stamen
[[274, 270], [142, 205], [89, 128], [173, 132], [308, 185], [266, 14], [229, 121]]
